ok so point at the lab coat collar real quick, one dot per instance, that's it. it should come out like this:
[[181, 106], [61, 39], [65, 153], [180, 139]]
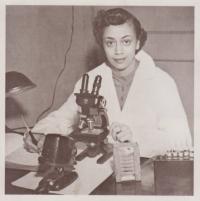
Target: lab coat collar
[[147, 66]]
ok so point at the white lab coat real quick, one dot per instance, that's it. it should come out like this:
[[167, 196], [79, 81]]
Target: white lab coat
[[153, 109]]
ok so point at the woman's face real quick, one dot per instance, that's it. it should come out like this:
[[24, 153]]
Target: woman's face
[[120, 43]]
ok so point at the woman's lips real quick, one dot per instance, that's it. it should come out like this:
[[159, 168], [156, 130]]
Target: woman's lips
[[119, 61]]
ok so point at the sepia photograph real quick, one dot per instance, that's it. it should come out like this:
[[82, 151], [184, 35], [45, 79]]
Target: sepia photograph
[[99, 100]]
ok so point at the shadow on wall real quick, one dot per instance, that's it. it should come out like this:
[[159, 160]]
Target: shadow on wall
[[14, 109]]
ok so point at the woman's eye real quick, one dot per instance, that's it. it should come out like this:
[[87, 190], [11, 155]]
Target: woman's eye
[[126, 42], [109, 43]]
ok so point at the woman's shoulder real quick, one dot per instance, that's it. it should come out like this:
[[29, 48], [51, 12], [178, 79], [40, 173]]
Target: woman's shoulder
[[161, 74], [151, 70], [164, 79]]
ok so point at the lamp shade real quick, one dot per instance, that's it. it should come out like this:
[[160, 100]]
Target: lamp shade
[[17, 83]]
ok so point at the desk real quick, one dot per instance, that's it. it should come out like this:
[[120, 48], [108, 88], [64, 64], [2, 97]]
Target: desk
[[108, 187]]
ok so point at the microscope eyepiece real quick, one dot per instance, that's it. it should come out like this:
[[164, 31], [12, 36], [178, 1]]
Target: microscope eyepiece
[[96, 85], [84, 85]]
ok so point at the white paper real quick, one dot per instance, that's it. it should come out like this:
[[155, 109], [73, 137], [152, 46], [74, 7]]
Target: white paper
[[90, 175], [13, 142], [17, 157], [21, 159]]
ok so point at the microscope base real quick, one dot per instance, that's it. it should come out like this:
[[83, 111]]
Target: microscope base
[[93, 151], [96, 135]]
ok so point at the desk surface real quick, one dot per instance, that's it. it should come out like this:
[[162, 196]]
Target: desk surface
[[183, 185], [108, 187], [176, 185]]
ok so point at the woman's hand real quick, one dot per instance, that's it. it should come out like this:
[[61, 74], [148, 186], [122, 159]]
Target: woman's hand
[[28, 144], [121, 132]]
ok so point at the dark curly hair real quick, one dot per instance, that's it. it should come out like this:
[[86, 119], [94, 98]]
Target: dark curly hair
[[117, 16]]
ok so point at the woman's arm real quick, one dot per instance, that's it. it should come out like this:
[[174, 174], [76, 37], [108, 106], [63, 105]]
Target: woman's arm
[[171, 130], [61, 121]]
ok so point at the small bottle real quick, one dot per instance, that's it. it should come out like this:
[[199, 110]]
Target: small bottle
[[186, 154], [169, 155], [174, 155], [191, 154], [180, 155]]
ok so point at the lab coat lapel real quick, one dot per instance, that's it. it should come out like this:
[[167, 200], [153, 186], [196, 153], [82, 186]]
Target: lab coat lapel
[[113, 107], [144, 73]]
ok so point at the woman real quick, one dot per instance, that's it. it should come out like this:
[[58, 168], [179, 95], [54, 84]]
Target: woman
[[143, 103]]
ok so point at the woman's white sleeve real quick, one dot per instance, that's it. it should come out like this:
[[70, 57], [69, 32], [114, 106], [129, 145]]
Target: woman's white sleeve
[[172, 119], [172, 131], [61, 121]]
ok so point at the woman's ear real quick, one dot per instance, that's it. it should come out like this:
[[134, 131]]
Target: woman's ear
[[137, 45]]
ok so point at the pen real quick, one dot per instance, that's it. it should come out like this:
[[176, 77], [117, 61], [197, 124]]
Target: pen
[[29, 131]]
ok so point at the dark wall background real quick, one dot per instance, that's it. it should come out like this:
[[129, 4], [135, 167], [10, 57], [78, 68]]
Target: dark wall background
[[37, 37]]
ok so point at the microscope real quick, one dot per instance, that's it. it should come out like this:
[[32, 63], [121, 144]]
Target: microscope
[[93, 121], [59, 154]]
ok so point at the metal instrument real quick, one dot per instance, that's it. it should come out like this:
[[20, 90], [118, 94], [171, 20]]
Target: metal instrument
[[56, 163], [93, 124]]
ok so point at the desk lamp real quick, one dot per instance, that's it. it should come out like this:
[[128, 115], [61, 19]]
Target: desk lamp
[[16, 83]]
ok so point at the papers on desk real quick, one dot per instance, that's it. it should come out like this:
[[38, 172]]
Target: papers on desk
[[90, 175], [13, 142], [21, 159], [17, 157]]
